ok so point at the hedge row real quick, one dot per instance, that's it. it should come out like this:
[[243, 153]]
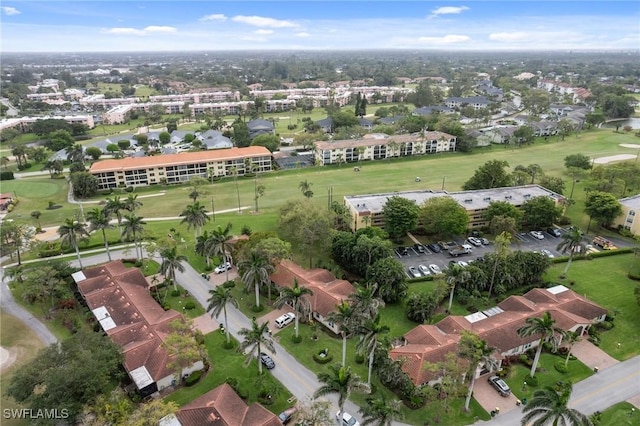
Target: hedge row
[[603, 253]]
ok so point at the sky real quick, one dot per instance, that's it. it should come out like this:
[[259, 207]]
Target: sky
[[176, 25]]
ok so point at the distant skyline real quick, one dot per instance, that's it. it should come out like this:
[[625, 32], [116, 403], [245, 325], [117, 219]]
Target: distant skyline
[[131, 26]]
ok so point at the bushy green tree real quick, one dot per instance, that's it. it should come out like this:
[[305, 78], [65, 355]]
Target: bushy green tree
[[400, 216], [540, 212], [443, 216], [491, 174], [269, 141]]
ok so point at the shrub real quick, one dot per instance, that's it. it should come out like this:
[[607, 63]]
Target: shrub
[[6, 175], [129, 189], [228, 345], [560, 367], [526, 360], [296, 339], [359, 359], [504, 372], [323, 357], [24, 166], [166, 307], [229, 284], [175, 293], [246, 230], [532, 381], [257, 309], [193, 378], [190, 305], [605, 325]]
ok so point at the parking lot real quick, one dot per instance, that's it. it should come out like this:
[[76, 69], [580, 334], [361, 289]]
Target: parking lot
[[413, 257]]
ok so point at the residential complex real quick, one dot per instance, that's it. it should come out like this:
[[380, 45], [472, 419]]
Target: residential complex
[[629, 219], [23, 123], [181, 167], [367, 210], [497, 326], [378, 146]]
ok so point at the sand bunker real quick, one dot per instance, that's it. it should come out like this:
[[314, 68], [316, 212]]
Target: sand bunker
[[7, 357], [630, 145], [612, 158]]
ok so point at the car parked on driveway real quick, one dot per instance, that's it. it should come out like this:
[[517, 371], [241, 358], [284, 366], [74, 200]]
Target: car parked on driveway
[[225, 266], [286, 415], [347, 419], [413, 271], [500, 385], [285, 319], [267, 361], [537, 235]]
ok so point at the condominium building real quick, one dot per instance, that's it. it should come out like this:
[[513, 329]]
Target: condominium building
[[378, 146], [367, 210], [23, 123], [630, 217], [181, 167]]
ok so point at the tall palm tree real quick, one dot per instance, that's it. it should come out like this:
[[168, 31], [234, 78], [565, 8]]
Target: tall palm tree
[[305, 187], [255, 339], [194, 215], [370, 330], [295, 296], [478, 352], [131, 203], [546, 328], [502, 242], [549, 407], [132, 228], [381, 412], [114, 206], [205, 246], [71, 232], [256, 270], [220, 245], [572, 241], [219, 298], [75, 153], [171, 261], [571, 338], [344, 316], [340, 381], [99, 220], [365, 302], [455, 275], [234, 172]]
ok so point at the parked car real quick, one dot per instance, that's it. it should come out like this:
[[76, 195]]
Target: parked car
[[419, 248], [225, 266], [267, 361], [547, 253], [403, 251], [475, 241], [284, 319], [463, 264], [554, 232], [485, 242], [435, 269], [537, 235], [603, 243], [347, 419], [424, 270], [286, 415], [434, 247], [413, 271], [500, 385]]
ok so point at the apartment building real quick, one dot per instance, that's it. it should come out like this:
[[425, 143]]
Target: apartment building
[[630, 217], [179, 168], [23, 123], [378, 146], [367, 210]]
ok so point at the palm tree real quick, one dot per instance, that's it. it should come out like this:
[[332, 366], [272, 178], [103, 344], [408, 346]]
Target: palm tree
[[305, 187], [75, 153], [478, 352], [132, 203], [133, 227], [381, 412], [256, 271], [549, 407], [344, 316], [502, 249], [571, 338], [295, 297], [220, 297], [71, 232], [114, 207], [370, 330], [220, 245], [234, 172], [546, 328], [99, 220], [171, 261], [365, 302], [572, 241], [205, 246], [340, 381], [454, 275], [254, 339], [194, 215]]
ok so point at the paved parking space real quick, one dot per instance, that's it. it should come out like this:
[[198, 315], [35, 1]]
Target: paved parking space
[[271, 317], [489, 398]]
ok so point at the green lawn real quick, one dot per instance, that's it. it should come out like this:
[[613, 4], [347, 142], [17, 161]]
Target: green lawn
[[604, 281], [226, 363], [546, 374], [620, 414]]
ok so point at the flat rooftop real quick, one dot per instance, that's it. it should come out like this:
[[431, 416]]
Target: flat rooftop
[[631, 202], [470, 200]]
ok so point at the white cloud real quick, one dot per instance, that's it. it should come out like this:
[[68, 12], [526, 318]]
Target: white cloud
[[448, 10], [146, 31], [214, 17], [448, 39], [303, 34], [263, 32], [261, 21], [513, 36], [258, 39], [8, 10]]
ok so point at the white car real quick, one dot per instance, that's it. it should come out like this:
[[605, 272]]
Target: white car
[[537, 235], [424, 270], [547, 253], [222, 267], [475, 241], [285, 319], [463, 264], [347, 419], [435, 269]]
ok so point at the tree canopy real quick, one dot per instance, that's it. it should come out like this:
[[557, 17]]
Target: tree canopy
[[400, 216], [603, 207], [491, 174], [443, 216], [540, 212]]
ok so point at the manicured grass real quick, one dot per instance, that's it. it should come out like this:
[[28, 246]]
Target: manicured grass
[[546, 374], [18, 337], [604, 281], [620, 414], [179, 302], [226, 363]]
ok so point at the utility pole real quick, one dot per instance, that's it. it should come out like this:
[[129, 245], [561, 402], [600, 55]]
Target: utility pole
[[213, 211], [444, 178]]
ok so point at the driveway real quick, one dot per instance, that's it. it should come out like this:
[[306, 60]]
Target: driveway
[[490, 399], [592, 356], [271, 317]]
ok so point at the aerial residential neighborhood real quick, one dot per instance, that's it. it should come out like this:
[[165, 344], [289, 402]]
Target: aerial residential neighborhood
[[314, 213]]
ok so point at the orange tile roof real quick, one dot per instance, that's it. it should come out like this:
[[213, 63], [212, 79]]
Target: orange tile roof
[[134, 163]]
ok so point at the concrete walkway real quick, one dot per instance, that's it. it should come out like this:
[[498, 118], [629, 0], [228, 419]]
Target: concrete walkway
[[592, 356]]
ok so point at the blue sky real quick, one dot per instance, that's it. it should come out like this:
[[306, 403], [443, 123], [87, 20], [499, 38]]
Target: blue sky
[[115, 26]]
